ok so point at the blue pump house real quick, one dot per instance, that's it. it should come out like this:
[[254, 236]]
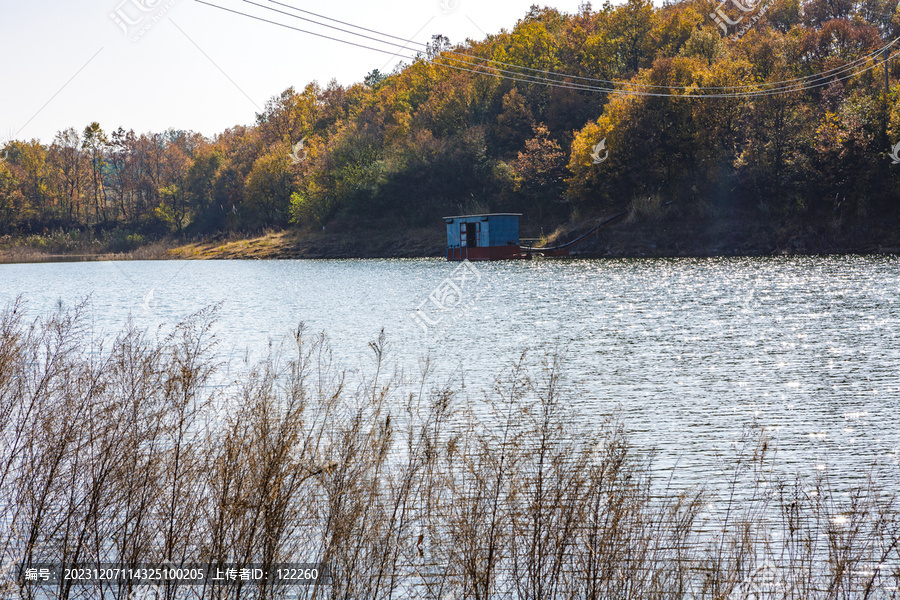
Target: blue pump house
[[483, 237]]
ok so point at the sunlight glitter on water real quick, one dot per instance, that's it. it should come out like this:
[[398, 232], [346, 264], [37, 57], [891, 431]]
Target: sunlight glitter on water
[[688, 352]]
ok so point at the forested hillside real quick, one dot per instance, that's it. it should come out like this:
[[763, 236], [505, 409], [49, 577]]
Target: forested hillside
[[786, 118]]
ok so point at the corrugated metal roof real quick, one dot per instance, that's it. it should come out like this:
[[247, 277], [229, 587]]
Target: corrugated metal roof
[[485, 215]]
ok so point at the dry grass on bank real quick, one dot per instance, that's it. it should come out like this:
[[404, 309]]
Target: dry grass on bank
[[122, 451]]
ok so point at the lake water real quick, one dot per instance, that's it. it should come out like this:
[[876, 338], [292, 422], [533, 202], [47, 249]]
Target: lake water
[[688, 352]]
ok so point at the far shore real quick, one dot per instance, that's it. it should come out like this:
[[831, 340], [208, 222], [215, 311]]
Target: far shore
[[661, 236]]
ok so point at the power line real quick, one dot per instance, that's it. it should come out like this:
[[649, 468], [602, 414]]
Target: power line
[[794, 86], [824, 74], [327, 37], [368, 37], [761, 93], [835, 71], [308, 12], [820, 82]]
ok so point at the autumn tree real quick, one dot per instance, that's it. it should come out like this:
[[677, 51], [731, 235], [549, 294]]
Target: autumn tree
[[174, 201], [199, 185], [514, 124], [95, 141], [632, 24], [774, 162], [35, 181], [123, 174], [541, 168], [287, 118], [69, 167], [11, 198], [269, 187]]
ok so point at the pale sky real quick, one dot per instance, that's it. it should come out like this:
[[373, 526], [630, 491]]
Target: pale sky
[[66, 64]]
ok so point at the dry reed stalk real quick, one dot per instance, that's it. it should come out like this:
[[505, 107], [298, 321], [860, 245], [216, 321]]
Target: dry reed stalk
[[109, 456]]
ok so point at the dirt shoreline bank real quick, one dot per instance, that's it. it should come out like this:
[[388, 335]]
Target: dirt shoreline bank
[[657, 238]]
